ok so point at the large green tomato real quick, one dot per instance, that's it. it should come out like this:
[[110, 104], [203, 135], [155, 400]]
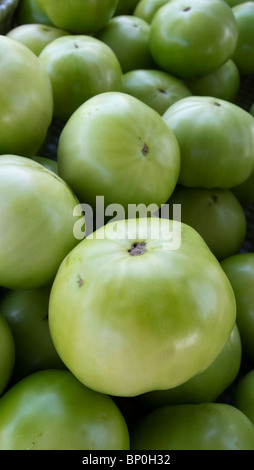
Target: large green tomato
[[35, 36], [212, 133], [26, 312], [117, 147], [128, 37], [156, 88], [243, 395], [223, 82], [146, 9], [193, 38], [7, 354], [244, 52], [205, 426], [36, 212], [79, 67], [52, 410], [129, 329], [77, 16], [26, 101], [240, 271], [216, 214], [207, 386], [29, 12]]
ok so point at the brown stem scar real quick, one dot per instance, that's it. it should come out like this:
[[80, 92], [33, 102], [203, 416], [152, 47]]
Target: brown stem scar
[[137, 248]]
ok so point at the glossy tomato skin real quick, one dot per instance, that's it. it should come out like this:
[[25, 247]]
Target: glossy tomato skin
[[243, 55], [78, 17], [26, 312], [138, 334], [207, 129], [240, 271], [7, 354], [205, 426], [207, 386], [195, 39], [243, 395], [26, 101], [51, 410]]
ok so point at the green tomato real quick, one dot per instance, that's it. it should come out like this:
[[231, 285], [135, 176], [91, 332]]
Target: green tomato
[[26, 101], [29, 12], [133, 33], [48, 163], [7, 354], [146, 9], [193, 39], [216, 214], [127, 153], [207, 386], [52, 410], [129, 330], [156, 88], [243, 395], [79, 67], [212, 133], [36, 213], [245, 191], [240, 271], [223, 82], [26, 312], [77, 16], [35, 36], [125, 7], [243, 55], [205, 426]]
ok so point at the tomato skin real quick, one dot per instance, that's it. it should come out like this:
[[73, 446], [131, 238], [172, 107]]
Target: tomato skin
[[205, 426], [193, 40], [51, 410], [243, 55]]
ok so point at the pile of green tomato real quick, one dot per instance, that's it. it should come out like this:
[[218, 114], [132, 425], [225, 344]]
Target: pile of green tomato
[[127, 225]]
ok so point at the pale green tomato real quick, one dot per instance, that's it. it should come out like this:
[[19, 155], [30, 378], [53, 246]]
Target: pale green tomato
[[52, 410], [117, 147], [223, 82], [36, 212], [212, 133], [79, 68], [133, 310], [7, 354], [35, 36], [77, 16], [205, 426], [128, 37], [156, 88], [26, 101], [243, 55], [146, 9], [194, 38]]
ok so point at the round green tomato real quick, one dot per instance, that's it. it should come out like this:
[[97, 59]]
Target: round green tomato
[[216, 214], [35, 36], [26, 102], [127, 153], [29, 12], [48, 163], [194, 38], [129, 330], [26, 312], [7, 353], [128, 37], [156, 88], [212, 133], [36, 212], [243, 55], [243, 395], [125, 7], [207, 386], [79, 67], [52, 410], [240, 271], [223, 82], [77, 16], [146, 9], [204, 426]]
